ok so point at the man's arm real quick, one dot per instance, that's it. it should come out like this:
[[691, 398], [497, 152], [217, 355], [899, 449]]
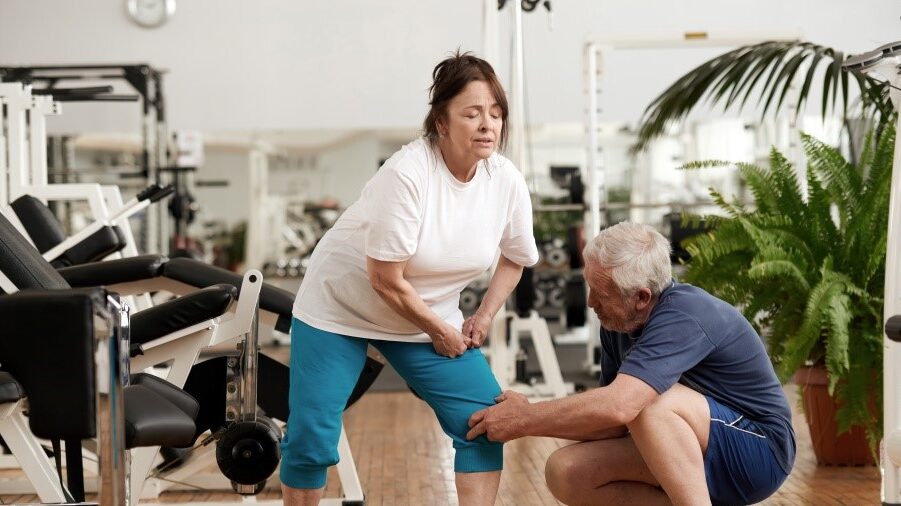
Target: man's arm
[[585, 416], [611, 433]]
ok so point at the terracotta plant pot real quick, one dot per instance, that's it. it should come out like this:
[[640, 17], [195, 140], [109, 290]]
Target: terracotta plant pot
[[848, 449]]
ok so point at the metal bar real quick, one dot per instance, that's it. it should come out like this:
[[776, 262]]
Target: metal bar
[[96, 98], [4, 170], [84, 90], [17, 100], [111, 365], [249, 365], [891, 359], [695, 39]]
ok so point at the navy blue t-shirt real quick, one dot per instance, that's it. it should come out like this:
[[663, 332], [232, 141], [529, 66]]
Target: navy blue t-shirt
[[695, 339]]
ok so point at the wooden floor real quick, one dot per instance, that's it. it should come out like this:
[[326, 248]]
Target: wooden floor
[[403, 458]]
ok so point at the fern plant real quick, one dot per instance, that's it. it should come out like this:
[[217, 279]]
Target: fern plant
[[808, 269]]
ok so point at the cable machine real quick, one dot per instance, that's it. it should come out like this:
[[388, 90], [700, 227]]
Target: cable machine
[[147, 82]]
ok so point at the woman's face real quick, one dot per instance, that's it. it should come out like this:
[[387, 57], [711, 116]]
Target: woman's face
[[472, 124]]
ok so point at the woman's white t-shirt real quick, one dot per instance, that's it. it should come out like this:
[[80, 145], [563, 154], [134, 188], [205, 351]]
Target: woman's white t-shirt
[[415, 210]]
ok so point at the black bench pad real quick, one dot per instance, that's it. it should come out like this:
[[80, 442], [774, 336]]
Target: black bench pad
[[46, 232], [151, 420], [110, 272], [92, 248], [196, 273], [177, 314], [183, 400], [10, 390], [42, 225]]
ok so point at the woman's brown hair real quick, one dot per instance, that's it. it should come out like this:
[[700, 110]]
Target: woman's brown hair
[[449, 78]]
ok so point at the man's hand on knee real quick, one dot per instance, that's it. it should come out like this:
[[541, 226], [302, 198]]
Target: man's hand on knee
[[504, 421]]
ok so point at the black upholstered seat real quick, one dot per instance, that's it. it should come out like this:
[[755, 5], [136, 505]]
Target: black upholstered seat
[[10, 389], [180, 313], [185, 401], [46, 344], [46, 232], [195, 273], [111, 272], [163, 423], [151, 420]]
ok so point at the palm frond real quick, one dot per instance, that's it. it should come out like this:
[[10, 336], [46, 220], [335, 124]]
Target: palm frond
[[739, 74]]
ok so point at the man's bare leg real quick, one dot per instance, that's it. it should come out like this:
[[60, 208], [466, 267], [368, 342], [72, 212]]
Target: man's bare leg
[[609, 471], [671, 434]]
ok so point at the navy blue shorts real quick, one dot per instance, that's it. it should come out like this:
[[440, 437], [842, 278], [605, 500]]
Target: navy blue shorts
[[740, 465]]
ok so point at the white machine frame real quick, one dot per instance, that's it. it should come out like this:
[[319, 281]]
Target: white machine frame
[[594, 173], [501, 351]]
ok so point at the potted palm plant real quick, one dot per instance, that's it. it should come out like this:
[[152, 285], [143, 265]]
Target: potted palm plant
[[807, 269], [786, 242]]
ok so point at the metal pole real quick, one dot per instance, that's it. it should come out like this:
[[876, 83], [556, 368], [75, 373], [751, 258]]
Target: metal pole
[[17, 99], [111, 367], [517, 109], [891, 355], [249, 368], [595, 182], [595, 178], [490, 50], [4, 170]]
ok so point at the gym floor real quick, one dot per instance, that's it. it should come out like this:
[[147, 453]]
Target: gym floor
[[403, 458]]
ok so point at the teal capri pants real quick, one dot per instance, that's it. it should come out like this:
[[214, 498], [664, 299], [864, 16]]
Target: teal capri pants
[[324, 369]]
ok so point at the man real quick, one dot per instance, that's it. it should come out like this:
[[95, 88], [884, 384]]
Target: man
[[689, 410]]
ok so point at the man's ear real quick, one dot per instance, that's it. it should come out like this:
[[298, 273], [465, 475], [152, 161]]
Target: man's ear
[[644, 298]]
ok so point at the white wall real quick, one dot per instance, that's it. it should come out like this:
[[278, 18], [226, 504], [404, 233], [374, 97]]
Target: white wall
[[338, 173], [230, 203], [350, 64]]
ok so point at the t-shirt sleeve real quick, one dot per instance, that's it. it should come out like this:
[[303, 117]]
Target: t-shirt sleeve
[[609, 365], [671, 344], [393, 215], [518, 239]]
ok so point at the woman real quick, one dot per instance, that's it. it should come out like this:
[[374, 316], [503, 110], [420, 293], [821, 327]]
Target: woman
[[390, 272]]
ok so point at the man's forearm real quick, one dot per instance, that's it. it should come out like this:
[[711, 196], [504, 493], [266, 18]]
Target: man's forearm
[[611, 433], [581, 417]]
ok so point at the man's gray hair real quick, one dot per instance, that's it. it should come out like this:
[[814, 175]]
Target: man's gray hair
[[637, 256]]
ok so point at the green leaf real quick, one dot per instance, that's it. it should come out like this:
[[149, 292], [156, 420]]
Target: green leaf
[[739, 74]]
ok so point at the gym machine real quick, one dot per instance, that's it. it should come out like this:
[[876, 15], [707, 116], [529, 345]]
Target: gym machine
[[147, 82], [244, 425], [504, 350]]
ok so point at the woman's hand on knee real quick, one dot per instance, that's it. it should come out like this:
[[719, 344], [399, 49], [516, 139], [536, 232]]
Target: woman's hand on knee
[[476, 328], [450, 342]]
